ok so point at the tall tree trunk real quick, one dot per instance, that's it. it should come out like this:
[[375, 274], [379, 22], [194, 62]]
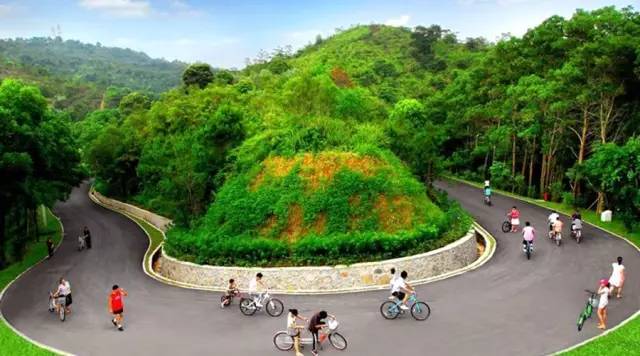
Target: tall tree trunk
[[513, 155], [486, 162], [523, 170], [533, 153], [581, 151], [3, 211], [543, 174]]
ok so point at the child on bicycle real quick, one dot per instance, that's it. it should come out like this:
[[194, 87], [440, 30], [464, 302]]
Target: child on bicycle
[[253, 289], [232, 291]]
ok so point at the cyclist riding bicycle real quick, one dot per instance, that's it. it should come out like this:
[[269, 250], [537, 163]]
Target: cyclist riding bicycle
[[552, 219], [557, 228], [232, 291], [487, 193], [528, 234], [576, 224], [254, 293], [401, 290]]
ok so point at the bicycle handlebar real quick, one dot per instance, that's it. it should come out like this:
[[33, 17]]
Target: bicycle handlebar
[[590, 291]]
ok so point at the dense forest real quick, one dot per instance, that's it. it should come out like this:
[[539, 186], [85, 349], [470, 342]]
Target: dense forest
[[555, 111], [80, 78]]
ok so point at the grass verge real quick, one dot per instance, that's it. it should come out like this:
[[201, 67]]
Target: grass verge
[[622, 341], [12, 343], [156, 237]]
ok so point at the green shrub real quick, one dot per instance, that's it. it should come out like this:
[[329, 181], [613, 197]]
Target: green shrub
[[568, 199]]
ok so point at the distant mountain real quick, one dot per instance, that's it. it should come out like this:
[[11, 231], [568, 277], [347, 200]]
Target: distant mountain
[[80, 77]]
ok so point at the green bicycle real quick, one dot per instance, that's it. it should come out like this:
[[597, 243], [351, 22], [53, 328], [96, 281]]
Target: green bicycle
[[586, 313]]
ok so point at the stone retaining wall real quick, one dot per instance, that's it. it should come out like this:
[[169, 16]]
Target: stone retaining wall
[[356, 277], [447, 261], [156, 220]]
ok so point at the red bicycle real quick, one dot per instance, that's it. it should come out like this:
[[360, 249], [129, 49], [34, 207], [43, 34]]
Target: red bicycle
[[226, 299]]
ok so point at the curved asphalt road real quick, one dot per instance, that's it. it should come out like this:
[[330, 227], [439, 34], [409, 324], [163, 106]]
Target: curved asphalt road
[[510, 306]]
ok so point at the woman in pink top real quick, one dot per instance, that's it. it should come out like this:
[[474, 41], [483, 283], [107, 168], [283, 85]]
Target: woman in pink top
[[514, 214]]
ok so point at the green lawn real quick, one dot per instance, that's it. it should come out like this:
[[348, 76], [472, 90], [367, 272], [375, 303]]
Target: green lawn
[[154, 233], [13, 344], [624, 340]]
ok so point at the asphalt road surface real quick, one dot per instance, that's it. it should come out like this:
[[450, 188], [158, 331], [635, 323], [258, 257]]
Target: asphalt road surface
[[509, 306]]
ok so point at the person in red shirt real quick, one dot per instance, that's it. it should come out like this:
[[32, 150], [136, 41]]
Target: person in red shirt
[[116, 305], [514, 214]]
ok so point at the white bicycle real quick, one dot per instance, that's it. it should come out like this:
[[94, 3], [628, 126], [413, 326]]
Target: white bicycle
[[61, 303], [284, 342], [273, 306]]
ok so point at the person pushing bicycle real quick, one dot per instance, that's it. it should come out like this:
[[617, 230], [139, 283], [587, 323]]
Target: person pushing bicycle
[[293, 328]]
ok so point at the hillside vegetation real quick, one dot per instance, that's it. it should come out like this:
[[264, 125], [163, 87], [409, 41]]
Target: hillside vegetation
[[81, 78]]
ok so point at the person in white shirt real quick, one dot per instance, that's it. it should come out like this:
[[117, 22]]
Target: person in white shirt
[[256, 294], [552, 219], [394, 277], [603, 291], [63, 293], [401, 290], [617, 277]]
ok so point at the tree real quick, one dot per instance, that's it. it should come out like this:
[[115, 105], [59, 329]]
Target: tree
[[38, 155], [414, 139], [199, 74]]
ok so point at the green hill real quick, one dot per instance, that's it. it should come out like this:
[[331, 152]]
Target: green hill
[[315, 208], [79, 77]]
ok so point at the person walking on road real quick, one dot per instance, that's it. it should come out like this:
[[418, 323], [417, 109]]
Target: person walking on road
[[514, 215], [50, 247], [87, 237], [116, 305], [617, 277], [603, 291]]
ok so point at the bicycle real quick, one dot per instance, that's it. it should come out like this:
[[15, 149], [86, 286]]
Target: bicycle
[[82, 243], [284, 342], [577, 234], [273, 306], [61, 303], [586, 313], [506, 226], [557, 236], [390, 309], [487, 200], [226, 300]]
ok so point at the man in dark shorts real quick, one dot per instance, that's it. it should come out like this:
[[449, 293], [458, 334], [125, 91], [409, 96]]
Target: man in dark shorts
[[116, 305]]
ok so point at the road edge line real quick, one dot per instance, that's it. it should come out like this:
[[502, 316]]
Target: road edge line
[[3, 319], [623, 322], [490, 243]]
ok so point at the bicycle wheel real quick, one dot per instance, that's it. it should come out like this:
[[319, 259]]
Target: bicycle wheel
[[247, 307], [274, 307], [62, 313], [338, 341], [528, 253], [389, 310], [578, 236], [420, 311], [589, 310], [506, 227], [558, 240], [581, 320], [283, 341]]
